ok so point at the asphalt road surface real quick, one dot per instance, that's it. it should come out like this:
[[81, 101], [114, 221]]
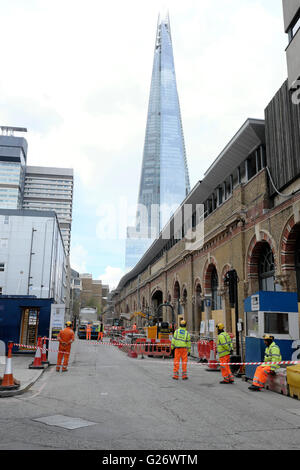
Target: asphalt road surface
[[133, 404]]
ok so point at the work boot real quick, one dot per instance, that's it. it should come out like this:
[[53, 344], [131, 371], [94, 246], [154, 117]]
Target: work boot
[[175, 377], [185, 377], [224, 382], [253, 388], [65, 370]]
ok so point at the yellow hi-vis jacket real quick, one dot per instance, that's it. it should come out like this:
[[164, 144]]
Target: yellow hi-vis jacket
[[224, 344], [181, 339], [273, 354]]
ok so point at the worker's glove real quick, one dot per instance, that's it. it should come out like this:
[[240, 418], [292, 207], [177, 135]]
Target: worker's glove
[[189, 354], [231, 352], [272, 372]]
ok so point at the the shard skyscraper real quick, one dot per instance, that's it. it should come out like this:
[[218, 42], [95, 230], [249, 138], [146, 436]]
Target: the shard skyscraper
[[164, 180]]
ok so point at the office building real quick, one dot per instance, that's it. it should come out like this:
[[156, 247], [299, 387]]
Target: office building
[[51, 189], [291, 12], [32, 255], [164, 181], [13, 155]]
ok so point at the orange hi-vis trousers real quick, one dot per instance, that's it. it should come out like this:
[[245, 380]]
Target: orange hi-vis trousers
[[63, 354], [180, 354], [260, 376], [100, 336], [225, 369], [88, 334]]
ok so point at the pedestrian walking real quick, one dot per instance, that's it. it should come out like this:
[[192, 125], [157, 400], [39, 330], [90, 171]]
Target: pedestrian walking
[[88, 331], [272, 354], [65, 338], [224, 350], [181, 343]]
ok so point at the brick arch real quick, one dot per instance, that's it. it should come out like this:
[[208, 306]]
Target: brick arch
[[197, 282], [176, 280], [208, 269], [225, 270], [156, 289], [288, 241], [252, 265]]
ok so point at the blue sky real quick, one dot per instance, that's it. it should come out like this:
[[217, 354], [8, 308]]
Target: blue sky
[[77, 75]]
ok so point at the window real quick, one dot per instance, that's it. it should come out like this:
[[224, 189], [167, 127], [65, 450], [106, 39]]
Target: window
[[277, 323], [267, 269], [216, 303], [2, 267], [294, 29]]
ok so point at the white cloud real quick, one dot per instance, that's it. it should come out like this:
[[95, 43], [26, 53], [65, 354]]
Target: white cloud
[[112, 276], [79, 258]]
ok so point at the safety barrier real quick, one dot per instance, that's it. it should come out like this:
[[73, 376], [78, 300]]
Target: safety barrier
[[205, 347], [213, 364]]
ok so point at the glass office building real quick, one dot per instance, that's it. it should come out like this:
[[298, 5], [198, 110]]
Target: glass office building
[[164, 180]]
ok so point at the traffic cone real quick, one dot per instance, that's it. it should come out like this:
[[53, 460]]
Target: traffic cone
[[37, 362], [8, 381], [44, 352]]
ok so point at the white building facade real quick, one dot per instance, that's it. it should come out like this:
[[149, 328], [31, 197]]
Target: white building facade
[[32, 255], [48, 188]]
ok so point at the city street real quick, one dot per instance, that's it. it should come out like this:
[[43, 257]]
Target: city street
[[133, 404]]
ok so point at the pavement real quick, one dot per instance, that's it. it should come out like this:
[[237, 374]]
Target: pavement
[[21, 372]]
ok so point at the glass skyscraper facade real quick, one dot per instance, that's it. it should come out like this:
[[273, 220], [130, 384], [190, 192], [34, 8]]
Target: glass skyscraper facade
[[164, 180]]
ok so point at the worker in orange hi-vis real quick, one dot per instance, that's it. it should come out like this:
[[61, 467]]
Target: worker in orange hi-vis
[[65, 338], [135, 327], [88, 331]]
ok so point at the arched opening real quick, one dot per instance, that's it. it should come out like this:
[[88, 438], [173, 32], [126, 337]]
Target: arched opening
[[216, 300], [176, 295], [198, 307], [157, 300], [266, 269], [261, 266], [290, 257]]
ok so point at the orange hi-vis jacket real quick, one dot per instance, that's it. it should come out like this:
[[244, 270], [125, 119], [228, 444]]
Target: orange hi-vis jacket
[[66, 338]]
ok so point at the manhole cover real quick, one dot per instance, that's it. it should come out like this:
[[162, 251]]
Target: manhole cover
[[64, 422]]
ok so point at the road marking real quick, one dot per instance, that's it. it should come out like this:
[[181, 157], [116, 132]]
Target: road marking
[[45, 381]]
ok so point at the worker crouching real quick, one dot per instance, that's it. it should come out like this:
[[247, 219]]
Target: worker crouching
[[181, 342], [224, 350], [65, 338], [272, 354]]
